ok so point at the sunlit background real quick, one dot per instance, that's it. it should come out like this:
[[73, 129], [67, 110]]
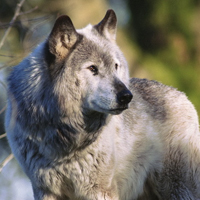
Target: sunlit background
[[160, 39]]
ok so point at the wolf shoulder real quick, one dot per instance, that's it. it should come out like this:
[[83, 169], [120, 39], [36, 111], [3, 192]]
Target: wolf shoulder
[[162, 102]]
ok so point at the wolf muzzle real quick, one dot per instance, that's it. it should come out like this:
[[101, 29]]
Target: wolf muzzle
[[123, 94]]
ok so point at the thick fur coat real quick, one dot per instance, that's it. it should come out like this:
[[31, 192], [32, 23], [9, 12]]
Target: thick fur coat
[[83, 130]]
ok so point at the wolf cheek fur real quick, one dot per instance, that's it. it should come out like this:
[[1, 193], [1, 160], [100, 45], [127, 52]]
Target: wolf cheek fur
[[68, 124]]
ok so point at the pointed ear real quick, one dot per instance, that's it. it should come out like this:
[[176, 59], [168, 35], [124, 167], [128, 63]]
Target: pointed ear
[[108, 26], [62, 37]]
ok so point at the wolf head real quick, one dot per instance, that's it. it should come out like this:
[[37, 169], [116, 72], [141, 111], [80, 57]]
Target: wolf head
[[69, 84], [88, 66]]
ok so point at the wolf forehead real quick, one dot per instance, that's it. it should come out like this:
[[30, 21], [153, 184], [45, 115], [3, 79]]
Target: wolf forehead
[[95, 49]]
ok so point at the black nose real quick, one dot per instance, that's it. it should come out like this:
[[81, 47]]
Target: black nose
[[124, 96]]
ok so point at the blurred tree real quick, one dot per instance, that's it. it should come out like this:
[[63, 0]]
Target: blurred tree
[[167, 35], [153, 21]]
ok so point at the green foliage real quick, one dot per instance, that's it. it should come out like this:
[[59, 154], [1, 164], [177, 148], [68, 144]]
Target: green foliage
[[168, 36]]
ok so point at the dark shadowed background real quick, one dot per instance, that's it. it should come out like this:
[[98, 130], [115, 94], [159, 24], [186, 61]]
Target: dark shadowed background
[[160, 39]]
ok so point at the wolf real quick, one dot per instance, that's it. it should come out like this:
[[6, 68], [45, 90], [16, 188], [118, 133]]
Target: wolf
[[82, 129]]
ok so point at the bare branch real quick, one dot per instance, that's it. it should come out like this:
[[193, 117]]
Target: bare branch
[[3, 136], [34, 20], [9, 56], [3, 84], [8, 159], [29, 11], [17, 12], [2, 110]]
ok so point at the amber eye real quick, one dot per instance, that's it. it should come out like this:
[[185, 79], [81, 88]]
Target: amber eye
[[116, 66], [93, 69]]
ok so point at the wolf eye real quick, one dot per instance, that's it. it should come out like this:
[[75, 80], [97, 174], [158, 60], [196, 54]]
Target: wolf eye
[[116, 66], [93, 69]]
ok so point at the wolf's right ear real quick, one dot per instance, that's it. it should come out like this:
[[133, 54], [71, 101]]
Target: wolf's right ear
[[108, 26], [62, 37]]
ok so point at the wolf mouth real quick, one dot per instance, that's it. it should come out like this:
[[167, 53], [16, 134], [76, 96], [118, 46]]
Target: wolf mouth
[[119, 109], [113, 110]]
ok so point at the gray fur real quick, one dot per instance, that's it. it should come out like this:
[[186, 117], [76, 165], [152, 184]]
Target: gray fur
[[68, 124]]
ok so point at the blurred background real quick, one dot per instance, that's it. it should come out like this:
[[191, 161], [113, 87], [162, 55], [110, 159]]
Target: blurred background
[[160, 39]]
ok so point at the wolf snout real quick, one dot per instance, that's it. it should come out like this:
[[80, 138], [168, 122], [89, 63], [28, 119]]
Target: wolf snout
[[124, 97]]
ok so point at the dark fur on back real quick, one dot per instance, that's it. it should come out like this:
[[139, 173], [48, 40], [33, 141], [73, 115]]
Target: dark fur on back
[[152, 92]]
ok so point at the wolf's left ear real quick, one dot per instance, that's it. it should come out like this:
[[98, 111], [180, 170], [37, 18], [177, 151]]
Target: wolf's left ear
[[62, 37], [108, 26]]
